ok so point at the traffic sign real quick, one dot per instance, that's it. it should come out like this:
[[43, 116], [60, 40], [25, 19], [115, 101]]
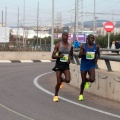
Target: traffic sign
[[109, 26]]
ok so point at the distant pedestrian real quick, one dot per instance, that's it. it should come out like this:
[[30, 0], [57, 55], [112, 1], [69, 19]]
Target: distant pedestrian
[[76, 44], [113, 46], [117, 45]]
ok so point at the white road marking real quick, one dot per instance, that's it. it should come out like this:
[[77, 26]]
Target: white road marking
[[16, 112], [5, 107], [5, 61], [45, 60], [75, 103], [24, 61]]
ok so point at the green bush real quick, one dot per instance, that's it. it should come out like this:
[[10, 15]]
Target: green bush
[[103, 40]]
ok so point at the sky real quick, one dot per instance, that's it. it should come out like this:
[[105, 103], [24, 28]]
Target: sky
[[64, 11]]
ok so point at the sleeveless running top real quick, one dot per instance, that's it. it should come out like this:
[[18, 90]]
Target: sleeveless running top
[[87, 61], [66, 52]]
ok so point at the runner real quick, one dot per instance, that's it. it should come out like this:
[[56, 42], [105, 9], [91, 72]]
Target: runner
[[63, 52], [89, 54]]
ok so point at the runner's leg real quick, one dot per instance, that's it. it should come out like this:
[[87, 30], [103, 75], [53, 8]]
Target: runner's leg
[[67, 76], [91, 73], [58, 75], [83, 76]]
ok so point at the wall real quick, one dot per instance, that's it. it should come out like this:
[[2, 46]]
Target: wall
[[25, 55], [106, 84]]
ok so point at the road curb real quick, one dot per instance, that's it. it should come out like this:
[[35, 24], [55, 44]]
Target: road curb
[[25, 61]]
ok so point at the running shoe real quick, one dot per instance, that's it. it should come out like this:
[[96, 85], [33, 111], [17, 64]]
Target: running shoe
[[80, 97], [55, 98], [87, 85], [61, 85]]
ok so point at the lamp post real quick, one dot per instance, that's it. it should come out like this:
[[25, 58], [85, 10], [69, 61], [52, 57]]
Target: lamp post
[[52, 37]]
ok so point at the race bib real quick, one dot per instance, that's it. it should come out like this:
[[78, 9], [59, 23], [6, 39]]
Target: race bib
[[90, 55], [64, 58], [57, 53]]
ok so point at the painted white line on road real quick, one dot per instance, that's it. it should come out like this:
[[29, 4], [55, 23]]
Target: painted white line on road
[[5, 107], [45, 60], [75, 103], [15, 112], [5, 61], [26, 61]]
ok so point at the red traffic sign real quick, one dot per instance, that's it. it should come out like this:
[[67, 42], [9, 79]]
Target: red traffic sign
[[109, 26]]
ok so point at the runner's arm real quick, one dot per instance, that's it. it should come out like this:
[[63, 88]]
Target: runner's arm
[[70, 55], [82, 52], [55, 51], [98, 53]]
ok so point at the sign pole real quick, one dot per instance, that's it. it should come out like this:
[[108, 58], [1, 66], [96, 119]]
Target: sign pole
[[108, 40], [109, 26]]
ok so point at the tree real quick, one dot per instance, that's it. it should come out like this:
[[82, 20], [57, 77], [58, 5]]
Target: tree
[[103, 40]]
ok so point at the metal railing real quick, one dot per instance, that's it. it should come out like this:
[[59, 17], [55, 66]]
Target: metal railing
[[30, 47]]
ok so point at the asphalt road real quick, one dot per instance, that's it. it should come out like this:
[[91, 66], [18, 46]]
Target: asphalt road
[[26, 93]]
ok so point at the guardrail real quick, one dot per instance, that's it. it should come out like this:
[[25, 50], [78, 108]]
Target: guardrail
[[107, 57], [101, 49], [43, 47]]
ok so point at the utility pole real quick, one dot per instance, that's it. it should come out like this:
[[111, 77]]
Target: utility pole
[[17, 29], [57, 22], [77, 18], [5, 23], [5, 16], [2, 18], [37, 23], [75, 15], [60, 20], [81, 16], [52, 37], [94, 18], [24, 24]]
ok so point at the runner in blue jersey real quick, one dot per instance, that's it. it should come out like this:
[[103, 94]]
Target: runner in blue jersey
[[89, 54]]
